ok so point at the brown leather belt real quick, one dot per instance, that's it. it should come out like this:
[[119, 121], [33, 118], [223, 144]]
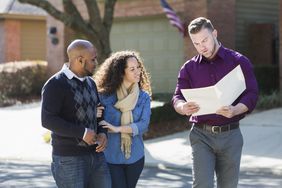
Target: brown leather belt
[[215, 129]]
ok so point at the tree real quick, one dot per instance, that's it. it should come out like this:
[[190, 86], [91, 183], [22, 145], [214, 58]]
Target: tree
[[96, 29]]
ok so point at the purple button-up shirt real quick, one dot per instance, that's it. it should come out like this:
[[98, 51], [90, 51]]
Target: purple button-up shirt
[[199, 72]]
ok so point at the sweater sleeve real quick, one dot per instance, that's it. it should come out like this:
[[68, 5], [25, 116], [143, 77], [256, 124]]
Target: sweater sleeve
[[100, 128], [53, 95]]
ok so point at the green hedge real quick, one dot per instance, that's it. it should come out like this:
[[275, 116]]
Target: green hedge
[[268, 78], [164, 113], [273, 100], [20, 80]]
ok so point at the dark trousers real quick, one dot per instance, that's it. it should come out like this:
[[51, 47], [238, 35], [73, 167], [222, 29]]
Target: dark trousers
[[126, 175]]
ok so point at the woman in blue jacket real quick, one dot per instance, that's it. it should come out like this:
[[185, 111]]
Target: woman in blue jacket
[[124, 88]]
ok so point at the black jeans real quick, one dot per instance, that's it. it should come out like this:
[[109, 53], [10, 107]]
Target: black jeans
[[126, 175]]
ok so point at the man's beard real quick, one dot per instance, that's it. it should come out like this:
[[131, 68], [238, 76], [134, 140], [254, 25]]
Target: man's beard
[[87, 72], [213, 51]]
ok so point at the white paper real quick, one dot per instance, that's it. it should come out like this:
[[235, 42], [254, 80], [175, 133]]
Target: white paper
[[223, 93]]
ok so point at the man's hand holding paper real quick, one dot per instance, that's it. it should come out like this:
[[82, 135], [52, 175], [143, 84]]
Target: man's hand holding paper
[[218, 98], [188, 108], [227, 111]]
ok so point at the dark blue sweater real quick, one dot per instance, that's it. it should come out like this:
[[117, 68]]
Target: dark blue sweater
[[68, 107]]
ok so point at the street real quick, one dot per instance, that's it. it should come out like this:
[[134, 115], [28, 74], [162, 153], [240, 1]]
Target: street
[[25, 174], [260, 164]]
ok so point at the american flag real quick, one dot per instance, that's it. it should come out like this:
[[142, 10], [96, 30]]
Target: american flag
[[173, 18]]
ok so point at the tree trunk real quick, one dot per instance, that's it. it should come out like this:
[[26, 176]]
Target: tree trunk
[[103, 48]]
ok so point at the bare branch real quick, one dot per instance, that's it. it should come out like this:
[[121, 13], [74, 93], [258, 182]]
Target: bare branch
[[48, 7], [94, 14], [71, 10], [109, 14], [75, 20]]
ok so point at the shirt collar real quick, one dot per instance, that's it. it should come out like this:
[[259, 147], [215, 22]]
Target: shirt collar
[[65, 69], [220, 54]]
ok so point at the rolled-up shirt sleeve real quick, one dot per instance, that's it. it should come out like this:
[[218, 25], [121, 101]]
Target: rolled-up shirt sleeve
[[182, 83], [250, 95]]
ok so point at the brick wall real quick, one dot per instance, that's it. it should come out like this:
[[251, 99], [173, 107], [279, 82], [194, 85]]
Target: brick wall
[[223, 20], [260, 40], [192, 10], [55, 53], [2, 42], [144, 8], [12, 40], [222, 15]]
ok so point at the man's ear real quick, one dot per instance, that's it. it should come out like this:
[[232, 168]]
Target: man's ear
[[214, 32], [80, 59]]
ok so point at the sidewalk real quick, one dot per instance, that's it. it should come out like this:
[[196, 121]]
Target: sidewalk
[[21, 139], [262, 148]]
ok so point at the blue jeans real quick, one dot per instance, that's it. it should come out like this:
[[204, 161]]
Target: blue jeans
[[126, 175], [87, 171], [216, 153]]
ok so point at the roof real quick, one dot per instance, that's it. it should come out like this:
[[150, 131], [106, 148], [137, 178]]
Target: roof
[[15, 7]]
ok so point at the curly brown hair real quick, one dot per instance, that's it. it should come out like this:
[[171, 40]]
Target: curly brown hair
[[109, 75]]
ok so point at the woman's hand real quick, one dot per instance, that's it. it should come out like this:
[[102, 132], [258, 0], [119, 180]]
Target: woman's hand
[[110, 127]]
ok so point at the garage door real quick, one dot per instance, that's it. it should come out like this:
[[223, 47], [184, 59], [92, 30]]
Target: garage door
[[33, 40], [160, 45]]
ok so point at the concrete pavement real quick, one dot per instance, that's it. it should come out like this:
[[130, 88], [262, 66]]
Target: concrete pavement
[[27, 174], [262, 148], [21, 138]]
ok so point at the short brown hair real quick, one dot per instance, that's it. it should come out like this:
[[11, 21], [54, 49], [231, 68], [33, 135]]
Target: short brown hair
[[199, 23]]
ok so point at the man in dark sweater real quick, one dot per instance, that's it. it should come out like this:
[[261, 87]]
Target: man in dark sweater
[[69, 108]]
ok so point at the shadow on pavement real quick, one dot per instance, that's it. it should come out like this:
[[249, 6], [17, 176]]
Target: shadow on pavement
[[25, 174], [168, 178], [259, 179]]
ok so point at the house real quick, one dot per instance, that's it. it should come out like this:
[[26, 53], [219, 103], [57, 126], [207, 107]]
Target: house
[[248, 26], [251, 28], [22, 32]]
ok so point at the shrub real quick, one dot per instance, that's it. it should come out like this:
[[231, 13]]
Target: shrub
[[272, 100], [267, 77], [164, 97], [164, 113], [19, 80]]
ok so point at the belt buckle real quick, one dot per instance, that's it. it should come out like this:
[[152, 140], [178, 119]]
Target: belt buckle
[[216, 129]]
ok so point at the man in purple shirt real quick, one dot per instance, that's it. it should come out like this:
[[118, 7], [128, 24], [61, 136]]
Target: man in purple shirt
[[216, 139]]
